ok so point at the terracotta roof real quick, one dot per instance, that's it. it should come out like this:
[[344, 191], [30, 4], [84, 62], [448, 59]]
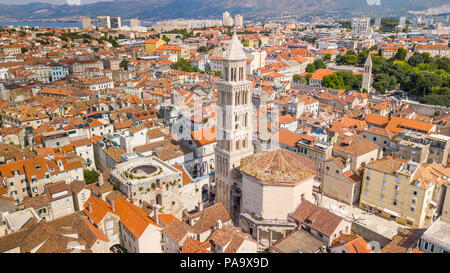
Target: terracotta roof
[[352, 243], [317, 218], [133, 217], [207, 218], [96, 209], [287, 137], [385, 165], [377, 119], [186, 177], [278, 166], [354, 145], [177, 230]]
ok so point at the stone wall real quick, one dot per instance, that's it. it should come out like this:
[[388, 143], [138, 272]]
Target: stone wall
[[370, 235]]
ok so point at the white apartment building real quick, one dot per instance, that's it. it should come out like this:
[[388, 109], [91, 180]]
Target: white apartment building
[[360, 25], [104, 22]]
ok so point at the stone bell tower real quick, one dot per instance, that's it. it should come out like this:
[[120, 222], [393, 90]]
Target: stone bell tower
[[234, 128], [367, 76]]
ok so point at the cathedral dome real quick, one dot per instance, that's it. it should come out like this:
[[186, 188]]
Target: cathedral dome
[[278, 167]]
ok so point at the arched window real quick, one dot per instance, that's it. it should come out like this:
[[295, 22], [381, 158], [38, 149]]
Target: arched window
[[159, 199]]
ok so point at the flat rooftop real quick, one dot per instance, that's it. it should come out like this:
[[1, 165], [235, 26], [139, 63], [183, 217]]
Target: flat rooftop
[[439, 233], [298, 241]]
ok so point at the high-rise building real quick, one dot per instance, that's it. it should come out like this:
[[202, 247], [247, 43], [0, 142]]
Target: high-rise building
[[415, 22], [377, 24], [234, 124], [360, 25], [367, 76], [104, 22], [402, 22], [86, 22], [429, 23], [239, 20], [227, 20], [135, 23], [116, 22]]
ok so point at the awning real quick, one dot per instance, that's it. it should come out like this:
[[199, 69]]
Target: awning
[[391, 212]]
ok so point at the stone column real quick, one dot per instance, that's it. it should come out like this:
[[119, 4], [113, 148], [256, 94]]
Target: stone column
[[257, 234], [270, 238]]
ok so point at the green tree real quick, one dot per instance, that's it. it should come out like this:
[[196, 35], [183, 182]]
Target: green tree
[[319, 64], [297, 78], [401, 54], [327, 57], [124, 64], [165, 38], [185, 65], [420, 83], [333, 81], [383, 82], [308, 77], [362, 57], [202, 49], [90, 176], [348, 59], [310, 68]]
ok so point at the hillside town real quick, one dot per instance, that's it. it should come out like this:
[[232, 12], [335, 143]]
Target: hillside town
[[218, 136]]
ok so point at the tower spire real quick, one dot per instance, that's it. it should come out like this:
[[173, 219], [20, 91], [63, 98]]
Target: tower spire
[[235, 52]]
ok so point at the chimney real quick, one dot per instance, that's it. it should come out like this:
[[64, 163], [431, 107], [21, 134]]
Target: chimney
[[219, 224], [156, 213], [89, 207], [60, 165], [100, 180], [200, 206], [347, 163], [184, 214]]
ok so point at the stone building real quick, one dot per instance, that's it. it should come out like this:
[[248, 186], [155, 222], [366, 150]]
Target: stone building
[[151, 180], [234, 127], [274, 183]]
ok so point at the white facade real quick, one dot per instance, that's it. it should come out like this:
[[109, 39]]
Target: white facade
[[271, 201]]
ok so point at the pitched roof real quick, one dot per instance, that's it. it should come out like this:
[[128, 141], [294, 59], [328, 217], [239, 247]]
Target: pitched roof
[[352, 243], [207, 218], [96, 209], [133, 217], [317, 218], [354, 145], [186, 177], [177, 230], [235, 51]]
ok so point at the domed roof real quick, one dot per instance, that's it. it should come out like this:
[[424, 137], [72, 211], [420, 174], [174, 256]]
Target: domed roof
[[278, 167]]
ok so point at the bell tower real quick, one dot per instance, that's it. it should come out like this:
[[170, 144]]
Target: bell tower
[[367, 76], [234, 128]]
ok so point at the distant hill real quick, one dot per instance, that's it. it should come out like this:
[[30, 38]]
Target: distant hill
[[158, 9]]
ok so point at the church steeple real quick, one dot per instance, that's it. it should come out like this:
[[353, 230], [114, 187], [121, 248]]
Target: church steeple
[[234, 61], [367, 76], [235, 52], [234, 122]]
